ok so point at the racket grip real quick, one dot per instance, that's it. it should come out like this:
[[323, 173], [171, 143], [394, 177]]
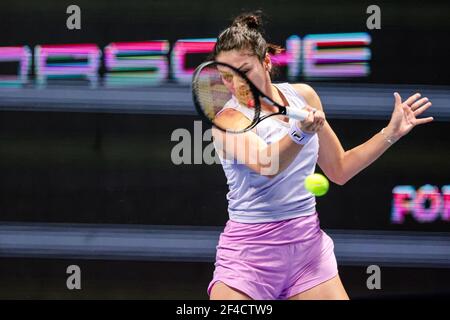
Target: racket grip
[[297, 114]]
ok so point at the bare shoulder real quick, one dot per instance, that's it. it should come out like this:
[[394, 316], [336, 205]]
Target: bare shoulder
[[305, 89], [307, 92]]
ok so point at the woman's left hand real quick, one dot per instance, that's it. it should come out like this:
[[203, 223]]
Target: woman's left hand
[[404, 117]]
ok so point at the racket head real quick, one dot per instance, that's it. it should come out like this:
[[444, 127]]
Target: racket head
[[224, 97]]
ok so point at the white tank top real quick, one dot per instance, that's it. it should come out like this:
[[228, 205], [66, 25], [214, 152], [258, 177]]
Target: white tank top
[[255, 198]]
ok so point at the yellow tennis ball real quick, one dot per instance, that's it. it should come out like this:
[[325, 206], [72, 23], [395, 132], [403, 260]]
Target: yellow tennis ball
[[317, 184]]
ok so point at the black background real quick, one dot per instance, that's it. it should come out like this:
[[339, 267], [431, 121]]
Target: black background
[[104, 168], [116, 168], [410, 47], [97, 168]]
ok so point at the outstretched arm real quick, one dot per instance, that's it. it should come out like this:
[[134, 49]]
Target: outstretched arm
[[340, 165]]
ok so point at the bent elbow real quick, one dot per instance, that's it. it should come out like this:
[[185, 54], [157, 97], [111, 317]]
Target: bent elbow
[[337, 176], [339, 182], [339, 179]]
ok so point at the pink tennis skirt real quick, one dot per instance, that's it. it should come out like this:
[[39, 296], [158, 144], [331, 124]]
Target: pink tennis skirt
[[275, 260]]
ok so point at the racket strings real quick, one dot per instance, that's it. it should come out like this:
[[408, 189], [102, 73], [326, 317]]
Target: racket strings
[[211, 93], [218, 88]]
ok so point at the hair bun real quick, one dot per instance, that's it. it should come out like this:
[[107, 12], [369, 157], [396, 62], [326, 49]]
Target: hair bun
[[249, 20]]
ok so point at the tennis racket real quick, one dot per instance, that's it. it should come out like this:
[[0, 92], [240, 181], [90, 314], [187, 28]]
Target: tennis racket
[[218, 86]]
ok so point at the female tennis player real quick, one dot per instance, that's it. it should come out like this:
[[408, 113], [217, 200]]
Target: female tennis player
[[272, 246]]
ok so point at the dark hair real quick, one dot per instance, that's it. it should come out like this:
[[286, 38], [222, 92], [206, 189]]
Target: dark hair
[[245, 33]]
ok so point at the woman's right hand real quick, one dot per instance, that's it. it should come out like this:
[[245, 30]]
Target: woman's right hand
[[314, 122]]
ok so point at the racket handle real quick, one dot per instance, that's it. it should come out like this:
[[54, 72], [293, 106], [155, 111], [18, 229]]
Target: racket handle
[[297, 114]]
